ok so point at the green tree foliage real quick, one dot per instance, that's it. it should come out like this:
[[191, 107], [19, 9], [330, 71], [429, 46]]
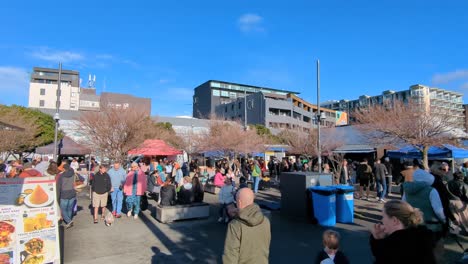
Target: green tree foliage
[[266, 134], [42, 126], [165, 125]]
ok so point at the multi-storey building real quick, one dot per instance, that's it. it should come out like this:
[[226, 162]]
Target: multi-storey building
[[210, 94], [43, 88], [429, 97], [272, 108]]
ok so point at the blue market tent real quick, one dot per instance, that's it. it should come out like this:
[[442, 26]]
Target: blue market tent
[[445, 151]]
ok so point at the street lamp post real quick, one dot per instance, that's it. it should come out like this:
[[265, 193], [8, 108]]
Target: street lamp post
[[319, 116], [57, 119], [57, 107]]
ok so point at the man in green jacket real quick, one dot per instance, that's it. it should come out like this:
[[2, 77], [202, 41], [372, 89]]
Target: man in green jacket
[[248, 235]]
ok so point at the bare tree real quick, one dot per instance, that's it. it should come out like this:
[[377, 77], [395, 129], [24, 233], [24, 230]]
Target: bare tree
[[230, 137], [413, 123], [112, 132], [299, 142]]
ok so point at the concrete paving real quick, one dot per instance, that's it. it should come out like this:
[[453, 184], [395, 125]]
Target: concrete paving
[[147, 241]]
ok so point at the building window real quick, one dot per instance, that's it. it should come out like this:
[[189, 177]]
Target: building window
[[240, 104], [41, 103], [73, 94], [232, 107], [225, 109], [42, 91]]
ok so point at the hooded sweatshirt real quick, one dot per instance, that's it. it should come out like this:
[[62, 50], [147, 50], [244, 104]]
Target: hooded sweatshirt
[[411, 245], [66, 185], [248, 237], [416, 194]]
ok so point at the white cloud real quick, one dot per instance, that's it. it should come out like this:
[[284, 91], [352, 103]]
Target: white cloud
[[131, 63], [444, 78], [52, 55], [14, 85], [251, 23], [104, 56]]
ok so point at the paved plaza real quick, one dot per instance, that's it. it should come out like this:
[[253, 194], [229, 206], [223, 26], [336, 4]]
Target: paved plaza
[[201, 241]]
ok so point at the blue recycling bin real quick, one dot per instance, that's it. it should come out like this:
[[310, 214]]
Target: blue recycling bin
[[324, 203], [344, 204]]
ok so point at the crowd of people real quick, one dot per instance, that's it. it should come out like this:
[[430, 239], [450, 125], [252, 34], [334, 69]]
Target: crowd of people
[[433, 203]]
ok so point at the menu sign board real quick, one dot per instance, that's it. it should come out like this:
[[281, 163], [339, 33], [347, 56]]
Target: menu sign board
[[29, 221]]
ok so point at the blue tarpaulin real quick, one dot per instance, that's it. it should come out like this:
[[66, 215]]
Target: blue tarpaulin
[[445, 151]]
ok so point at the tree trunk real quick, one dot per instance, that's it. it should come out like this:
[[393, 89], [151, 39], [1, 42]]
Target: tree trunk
[[425, 153]]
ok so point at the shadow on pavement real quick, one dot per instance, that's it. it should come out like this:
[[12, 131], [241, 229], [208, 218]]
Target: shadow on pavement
[[189, 248], [373, 218]]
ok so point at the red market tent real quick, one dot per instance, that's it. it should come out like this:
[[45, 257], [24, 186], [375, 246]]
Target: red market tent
[[155, 147]]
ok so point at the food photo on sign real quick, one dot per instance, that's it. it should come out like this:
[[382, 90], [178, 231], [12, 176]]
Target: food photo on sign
[[37, 221], [38, 250], [6, 257], [7, 230], [35, 197]]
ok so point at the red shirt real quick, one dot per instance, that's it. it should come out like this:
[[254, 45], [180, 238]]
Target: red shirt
[[30, 173]]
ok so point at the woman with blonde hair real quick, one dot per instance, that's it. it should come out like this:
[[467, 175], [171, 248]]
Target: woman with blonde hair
[[401, 237]]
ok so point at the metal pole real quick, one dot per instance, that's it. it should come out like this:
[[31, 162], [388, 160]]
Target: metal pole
[[245, 108], [319, 116], [57, 106]]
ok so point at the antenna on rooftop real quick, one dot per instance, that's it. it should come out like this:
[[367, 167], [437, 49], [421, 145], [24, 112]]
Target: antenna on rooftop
[[91, 81]]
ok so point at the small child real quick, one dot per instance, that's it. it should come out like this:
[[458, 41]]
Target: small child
[[226, 197], [331, 252]]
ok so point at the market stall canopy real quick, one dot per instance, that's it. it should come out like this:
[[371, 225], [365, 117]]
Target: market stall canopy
[[355, 148], [155, 147], [445, 151], [66, 146]]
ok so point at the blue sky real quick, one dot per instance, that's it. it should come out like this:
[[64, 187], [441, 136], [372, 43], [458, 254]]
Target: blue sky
[[164, 49]]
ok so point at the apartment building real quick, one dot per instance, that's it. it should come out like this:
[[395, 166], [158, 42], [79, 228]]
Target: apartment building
[[43, 89], [429, 97], [275, 111], [212, 93]]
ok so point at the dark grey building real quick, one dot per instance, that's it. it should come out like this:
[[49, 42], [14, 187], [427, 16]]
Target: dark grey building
[[212, 93], [275, 112], [50, 76]]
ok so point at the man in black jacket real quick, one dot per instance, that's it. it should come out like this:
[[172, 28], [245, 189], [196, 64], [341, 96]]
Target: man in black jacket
[[380, 173], [66, 194], [101, 187]]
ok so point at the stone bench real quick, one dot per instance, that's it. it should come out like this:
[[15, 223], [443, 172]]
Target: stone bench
[[211, 188], [165, 214]]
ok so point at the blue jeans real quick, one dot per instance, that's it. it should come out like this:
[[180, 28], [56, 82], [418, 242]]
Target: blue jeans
[[382, 188], [256, 181], [133, 203], [117, 200], [389, 184], [66, 206]]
